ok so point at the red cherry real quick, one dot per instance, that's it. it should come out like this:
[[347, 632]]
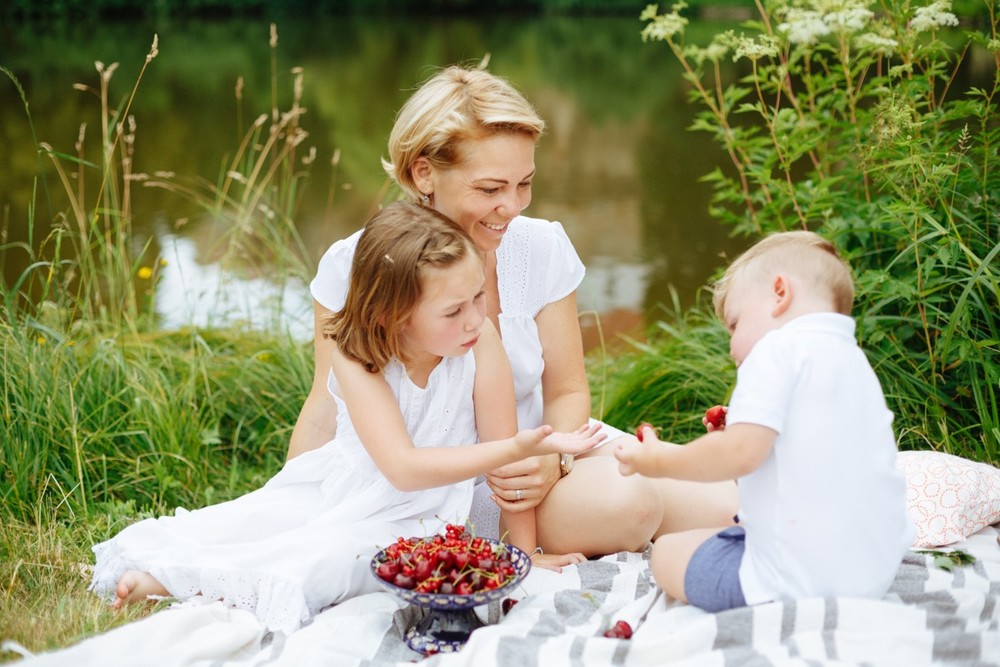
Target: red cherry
[[620, 630], [716, 416], [638, 431], [507, 605], [388, 571]]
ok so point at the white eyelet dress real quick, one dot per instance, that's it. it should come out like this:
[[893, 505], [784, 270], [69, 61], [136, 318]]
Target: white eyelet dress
[[304, 540], [536, 265]]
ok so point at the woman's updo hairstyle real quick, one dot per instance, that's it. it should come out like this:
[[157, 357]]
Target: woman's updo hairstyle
[[455, 105]]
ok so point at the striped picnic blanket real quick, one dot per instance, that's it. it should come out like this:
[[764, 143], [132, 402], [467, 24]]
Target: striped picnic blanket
[[930, 616]]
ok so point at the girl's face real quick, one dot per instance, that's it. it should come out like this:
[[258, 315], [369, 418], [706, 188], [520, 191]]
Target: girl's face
[[450, 314], [490, 186]]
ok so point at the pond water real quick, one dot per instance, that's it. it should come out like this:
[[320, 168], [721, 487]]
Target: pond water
[[617, 165]]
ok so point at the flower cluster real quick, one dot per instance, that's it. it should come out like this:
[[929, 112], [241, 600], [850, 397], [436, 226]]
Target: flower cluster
[[933, 16], [663, 26], [807, 26]]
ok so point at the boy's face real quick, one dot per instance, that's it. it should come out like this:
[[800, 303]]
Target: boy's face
[[748, 316]]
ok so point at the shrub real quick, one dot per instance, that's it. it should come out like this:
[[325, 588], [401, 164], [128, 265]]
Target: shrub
[[847, 119]]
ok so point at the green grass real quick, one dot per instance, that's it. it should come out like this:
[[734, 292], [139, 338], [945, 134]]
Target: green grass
[[107, 419], [44, 573]]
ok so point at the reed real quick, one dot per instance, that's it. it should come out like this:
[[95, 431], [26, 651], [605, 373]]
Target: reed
[[119, 413]]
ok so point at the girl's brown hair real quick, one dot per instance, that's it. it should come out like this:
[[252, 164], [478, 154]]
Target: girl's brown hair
[[396, 247]]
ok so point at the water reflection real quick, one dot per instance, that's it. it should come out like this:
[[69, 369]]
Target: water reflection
[[617, 165]]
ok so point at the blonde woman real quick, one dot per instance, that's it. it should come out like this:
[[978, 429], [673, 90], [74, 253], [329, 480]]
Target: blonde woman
[[464, 144]]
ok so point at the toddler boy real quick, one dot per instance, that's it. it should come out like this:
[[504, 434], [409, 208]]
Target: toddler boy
[[808, 436]]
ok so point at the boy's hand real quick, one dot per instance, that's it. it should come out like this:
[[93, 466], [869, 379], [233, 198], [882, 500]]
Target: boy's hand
[[636, 456], [544, 440], [715, 418]]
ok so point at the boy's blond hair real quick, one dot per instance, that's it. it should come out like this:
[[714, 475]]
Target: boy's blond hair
[[806, 255], [455, 105], [397, 247]]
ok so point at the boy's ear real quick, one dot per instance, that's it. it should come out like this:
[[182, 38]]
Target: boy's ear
[[781, 288]]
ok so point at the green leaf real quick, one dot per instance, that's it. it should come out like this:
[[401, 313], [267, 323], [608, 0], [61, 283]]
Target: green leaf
[[947, 560]]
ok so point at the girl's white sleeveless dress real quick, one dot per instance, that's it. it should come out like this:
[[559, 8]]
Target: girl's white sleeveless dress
[[536, 265], [304, 540]]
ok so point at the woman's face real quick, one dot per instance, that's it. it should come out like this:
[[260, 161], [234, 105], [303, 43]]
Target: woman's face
[[488, 188]]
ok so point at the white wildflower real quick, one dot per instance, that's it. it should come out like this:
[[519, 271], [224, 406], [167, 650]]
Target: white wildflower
[[871, 42], [849, 19], [900, 71], [764, 46], [648, 13], [804, 26], [933, 16], [892, 121], [715, 51], [664, 27]]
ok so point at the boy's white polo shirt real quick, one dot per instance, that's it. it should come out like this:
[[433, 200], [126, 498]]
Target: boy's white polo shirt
[[825, 514]]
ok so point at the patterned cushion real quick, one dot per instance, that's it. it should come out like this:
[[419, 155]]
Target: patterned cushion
[[949, 498]]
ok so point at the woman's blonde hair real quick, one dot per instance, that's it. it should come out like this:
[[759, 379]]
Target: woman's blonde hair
[[455, 105], [806, 255], [399, 243]]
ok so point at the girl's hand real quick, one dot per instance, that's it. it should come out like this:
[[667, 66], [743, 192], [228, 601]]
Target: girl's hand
[[544, 440], [555, 562]]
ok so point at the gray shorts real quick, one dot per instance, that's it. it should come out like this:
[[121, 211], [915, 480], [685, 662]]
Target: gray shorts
[[712, 579]]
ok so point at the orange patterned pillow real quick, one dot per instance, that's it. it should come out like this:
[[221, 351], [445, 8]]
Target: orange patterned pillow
[[949, 498]]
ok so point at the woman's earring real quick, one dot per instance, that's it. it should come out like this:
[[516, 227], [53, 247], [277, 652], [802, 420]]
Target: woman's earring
[[425, 199]]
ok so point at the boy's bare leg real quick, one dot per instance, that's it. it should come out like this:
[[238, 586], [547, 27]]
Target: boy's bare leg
[[671, 555], [136, 586]]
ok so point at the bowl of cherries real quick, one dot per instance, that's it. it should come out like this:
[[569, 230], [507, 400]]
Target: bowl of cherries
[[448, 576]]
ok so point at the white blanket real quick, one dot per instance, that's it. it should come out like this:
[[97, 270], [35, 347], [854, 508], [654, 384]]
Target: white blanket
[[930, 616]]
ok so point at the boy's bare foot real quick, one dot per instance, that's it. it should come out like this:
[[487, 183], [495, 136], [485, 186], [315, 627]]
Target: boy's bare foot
[[136, 586]]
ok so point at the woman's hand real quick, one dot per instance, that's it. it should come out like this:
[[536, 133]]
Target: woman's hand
[[555, 562], [518, 487], [533, 477]]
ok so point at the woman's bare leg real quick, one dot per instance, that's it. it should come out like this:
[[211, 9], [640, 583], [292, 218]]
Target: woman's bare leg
[[687, 505], [136, 586], [597, 511], [693, 505]]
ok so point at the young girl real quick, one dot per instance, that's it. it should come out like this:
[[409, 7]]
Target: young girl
[[408, 396]]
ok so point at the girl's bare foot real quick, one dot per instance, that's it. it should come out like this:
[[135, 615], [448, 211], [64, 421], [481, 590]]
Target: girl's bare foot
[[136, 586]]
